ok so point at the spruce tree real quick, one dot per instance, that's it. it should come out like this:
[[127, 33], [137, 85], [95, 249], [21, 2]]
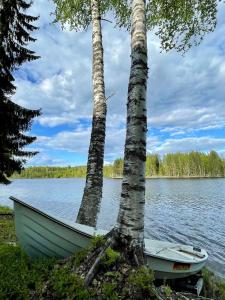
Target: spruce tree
[[15, 121]]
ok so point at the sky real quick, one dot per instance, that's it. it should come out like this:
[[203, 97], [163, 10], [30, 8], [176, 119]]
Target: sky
[[185, 94]]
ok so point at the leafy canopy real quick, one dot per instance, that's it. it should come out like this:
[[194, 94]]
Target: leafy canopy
[[77, 13], [178, 23]]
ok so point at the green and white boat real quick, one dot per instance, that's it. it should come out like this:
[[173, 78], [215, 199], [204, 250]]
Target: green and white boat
[[43, 235]]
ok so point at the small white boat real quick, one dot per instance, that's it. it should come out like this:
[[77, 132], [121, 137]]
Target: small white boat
[[41, 234]]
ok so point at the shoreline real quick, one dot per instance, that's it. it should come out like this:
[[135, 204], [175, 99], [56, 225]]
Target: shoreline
[[120, 177]]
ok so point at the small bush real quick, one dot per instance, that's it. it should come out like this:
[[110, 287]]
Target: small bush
[[167, 290], [97, 241], [213, 287], [110, 258], [80, 256], [66, 285], [109, 291], [141, 283]]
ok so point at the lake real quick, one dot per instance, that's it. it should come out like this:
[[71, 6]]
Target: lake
[[188, 211]]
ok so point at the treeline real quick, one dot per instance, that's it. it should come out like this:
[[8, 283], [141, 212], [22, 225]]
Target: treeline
[[192, 164]]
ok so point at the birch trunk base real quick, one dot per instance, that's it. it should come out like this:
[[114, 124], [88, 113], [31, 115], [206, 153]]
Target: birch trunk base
[[131, 255]]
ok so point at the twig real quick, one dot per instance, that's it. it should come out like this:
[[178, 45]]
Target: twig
[[106, 20], [113, 94]]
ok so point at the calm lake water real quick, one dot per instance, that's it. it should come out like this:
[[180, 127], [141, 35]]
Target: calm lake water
[[184, 211]]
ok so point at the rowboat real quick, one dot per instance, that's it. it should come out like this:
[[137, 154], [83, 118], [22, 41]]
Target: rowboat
[[43, 235]]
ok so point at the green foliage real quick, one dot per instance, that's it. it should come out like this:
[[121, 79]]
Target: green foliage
[[13, 273], [77, 14], [176, 164], [167, 290], [52, 172], [189, 164], [122, 11], [213, 287], [67, 285], [192, 164], [16, 26], [97, 241], [152, 165], [118, 167], [110, 258], [141, 282], [18, 276], [109, 291], [181, 23], [79, 257], [178, 24], [7, 228], [5, 210]]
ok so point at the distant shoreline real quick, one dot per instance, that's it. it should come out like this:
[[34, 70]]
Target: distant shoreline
[[120, 177]]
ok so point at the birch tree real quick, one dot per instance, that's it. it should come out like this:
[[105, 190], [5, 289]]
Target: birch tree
[[130, 222], [179, 25], [79, 15]]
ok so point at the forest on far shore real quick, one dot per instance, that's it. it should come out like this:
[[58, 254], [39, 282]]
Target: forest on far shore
[[191, 164]]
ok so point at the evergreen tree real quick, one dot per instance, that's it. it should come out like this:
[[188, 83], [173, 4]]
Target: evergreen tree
[[14, 119]]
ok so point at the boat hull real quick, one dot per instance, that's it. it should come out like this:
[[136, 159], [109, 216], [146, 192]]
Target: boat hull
[[164, 269], [43, 235]]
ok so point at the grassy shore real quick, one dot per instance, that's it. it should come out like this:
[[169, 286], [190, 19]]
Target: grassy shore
[[23, 279]]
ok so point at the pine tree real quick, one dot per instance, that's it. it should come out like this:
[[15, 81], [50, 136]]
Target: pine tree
[[15, 120]]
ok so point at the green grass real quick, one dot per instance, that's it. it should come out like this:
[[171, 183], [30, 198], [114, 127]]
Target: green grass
[[7, 228], [5, 210], [19, 277], [213, 287], [23, 279]]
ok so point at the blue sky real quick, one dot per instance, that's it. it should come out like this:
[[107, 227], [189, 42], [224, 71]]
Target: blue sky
[[186, 94]]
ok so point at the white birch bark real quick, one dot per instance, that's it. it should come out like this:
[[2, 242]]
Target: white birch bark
[[130, 222], [94, 179]]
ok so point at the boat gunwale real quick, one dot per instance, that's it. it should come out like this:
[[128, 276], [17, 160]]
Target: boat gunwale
[[176, 260], [148, 254], [52, 218]]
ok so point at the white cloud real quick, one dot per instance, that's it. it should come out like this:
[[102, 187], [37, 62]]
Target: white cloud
[[185, 94], [44, 159], [191, 144]]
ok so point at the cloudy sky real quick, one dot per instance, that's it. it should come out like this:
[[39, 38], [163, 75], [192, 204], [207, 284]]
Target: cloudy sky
[[186, 94]]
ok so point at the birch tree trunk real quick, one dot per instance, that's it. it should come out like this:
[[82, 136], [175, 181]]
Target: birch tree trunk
[[94, 179], [130, 222]]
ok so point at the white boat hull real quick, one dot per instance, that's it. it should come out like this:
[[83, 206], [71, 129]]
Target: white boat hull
[[41, 234]]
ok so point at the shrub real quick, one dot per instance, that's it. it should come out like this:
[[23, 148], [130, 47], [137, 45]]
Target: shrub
[[141, 283], [66, 285]]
